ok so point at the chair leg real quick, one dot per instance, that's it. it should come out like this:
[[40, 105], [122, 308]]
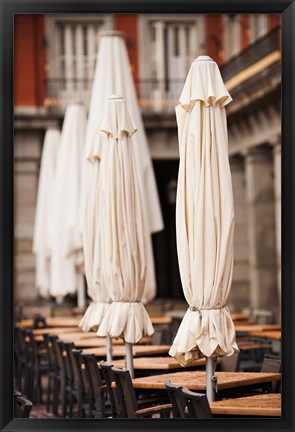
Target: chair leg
[[80, 407], [56, 386], [71, 403], [63, 398], [49, 391]]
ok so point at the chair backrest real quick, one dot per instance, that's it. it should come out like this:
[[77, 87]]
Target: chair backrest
[[271, 363], [50, 352], [31, 345], [231, 363], [177, 399], [58, 349], [97, 389], [67, 347], [262, 316], [22, 407], [197, 404], [125, 393], [75, 367], [108, 376], [93, 372], [39, 321], [81, 371]]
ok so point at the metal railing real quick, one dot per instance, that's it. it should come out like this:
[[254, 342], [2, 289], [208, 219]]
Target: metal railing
[[252, 54], [157, 96], [154, 96]]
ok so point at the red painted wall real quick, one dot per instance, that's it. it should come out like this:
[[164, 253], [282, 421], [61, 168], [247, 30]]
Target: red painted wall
[[214, 37], [244, 31], [29, 60], [129, 25], [273, 21]]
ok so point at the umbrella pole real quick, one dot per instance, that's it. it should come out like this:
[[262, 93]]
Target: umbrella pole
[[210, 379], [59, 299], [109, 349], [129, 359], [81, 295]]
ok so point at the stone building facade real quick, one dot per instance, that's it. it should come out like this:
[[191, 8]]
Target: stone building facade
[[54, 63]]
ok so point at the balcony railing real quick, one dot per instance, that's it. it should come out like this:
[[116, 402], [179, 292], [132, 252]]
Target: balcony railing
[[154, 96], [261, 60], [161, 96]]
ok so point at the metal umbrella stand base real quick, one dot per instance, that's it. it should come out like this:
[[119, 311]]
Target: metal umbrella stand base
[[211, 380]]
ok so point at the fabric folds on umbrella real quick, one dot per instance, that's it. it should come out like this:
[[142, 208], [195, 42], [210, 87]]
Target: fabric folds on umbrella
[[113, 76], [40, 240], [93, 254], [65, 236], [121, 226], [204, 216]]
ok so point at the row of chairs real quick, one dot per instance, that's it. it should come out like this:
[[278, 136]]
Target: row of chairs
[[77, 385]]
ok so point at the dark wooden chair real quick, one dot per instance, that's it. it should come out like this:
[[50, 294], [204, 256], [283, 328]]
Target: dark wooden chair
[[231, 363], [177, 399], [128, 405], [271, 363], [68, 402], [108, 377], [98, 407], [262, 316], [81, 390], [25, 362], [52, 372], [197, 405], [37, 366], [39, 322], [20, 358], [60, 377], [22, 406]]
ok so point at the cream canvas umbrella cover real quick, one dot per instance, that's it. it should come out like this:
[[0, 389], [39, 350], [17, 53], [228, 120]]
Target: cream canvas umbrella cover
[[122, 231], [113, 76], [65, 237], [92, 246], [204, 216], [40, 239]]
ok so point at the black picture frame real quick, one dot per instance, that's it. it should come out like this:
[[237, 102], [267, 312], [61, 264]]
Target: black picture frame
[[10, 7]]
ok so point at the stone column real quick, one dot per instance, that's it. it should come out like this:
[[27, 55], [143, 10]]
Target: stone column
[[91, 54], [80, 60], [261, 229], [69, 72], [27, 149], [239, 296], [277, 193]]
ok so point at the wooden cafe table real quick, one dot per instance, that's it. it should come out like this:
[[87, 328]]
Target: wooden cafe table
[[74, 321], [239, 316], [249, 328], [99, 341], [59, 330], [196, 380], [274, 335], [145, 364], [52, 322], [138, 350], [264, 405], [66, 337]]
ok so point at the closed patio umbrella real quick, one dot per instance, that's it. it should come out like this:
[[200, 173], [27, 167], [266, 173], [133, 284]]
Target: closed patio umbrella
[[204, 219], [66, 276], [40, 239], [113, 76], [121, 229]]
